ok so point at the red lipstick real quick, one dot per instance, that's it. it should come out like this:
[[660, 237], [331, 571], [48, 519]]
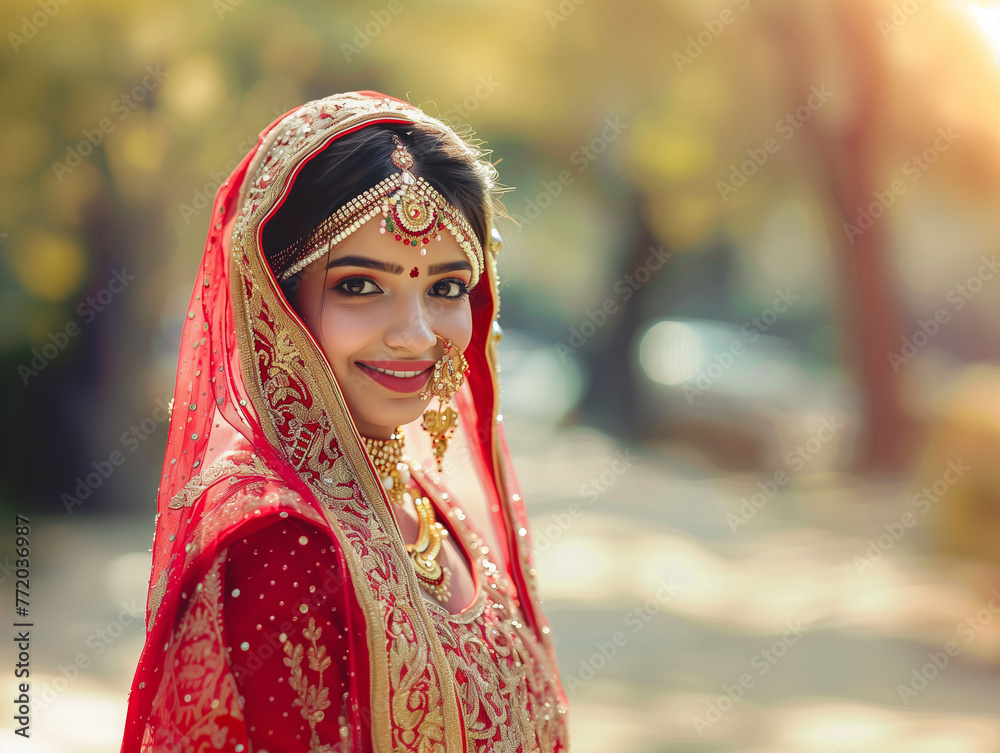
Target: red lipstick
[[398, 376]]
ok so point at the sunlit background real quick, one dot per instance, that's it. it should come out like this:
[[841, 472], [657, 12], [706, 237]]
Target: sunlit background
[[751, 306]]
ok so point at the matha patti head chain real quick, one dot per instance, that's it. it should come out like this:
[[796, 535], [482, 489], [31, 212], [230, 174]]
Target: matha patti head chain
[[412, 211]]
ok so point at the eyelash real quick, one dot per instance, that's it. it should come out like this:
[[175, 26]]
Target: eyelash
[[342, 287], [463, 291]]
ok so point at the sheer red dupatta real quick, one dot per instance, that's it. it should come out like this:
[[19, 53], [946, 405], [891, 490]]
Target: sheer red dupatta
[[259, 429], [221, 478]]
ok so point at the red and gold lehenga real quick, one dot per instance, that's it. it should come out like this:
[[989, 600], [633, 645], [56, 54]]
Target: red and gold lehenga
[[284, 613]]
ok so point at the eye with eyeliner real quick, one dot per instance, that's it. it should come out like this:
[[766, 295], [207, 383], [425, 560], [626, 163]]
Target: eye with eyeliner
[[357, 287], [450, 288]]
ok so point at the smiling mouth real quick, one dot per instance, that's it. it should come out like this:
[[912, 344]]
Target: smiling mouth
[[403, 374]]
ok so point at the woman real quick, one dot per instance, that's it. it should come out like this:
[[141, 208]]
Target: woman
[[313, 587]]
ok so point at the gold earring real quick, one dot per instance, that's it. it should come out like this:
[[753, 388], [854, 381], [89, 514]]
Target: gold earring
[[447, 379]]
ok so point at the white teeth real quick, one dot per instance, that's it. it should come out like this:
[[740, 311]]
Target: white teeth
[[403, 374]]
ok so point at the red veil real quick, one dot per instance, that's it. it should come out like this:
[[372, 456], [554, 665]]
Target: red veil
[[260, 432]]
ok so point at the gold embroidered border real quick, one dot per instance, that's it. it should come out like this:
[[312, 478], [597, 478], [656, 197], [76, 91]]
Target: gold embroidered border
[[212, 473], [255, 294]]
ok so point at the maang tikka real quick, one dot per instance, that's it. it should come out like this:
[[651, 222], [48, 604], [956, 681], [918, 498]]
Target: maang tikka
[[412, 210], [445, 381]]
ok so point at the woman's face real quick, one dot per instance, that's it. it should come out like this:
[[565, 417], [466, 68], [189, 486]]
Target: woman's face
[[377, 307]]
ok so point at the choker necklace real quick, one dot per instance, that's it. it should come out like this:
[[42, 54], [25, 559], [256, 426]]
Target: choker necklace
[[394, 472]]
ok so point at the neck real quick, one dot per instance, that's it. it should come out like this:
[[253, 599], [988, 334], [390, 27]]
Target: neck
[[370, 432]]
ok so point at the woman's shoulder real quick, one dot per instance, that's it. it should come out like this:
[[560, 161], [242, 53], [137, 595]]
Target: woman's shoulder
[[240, 492]]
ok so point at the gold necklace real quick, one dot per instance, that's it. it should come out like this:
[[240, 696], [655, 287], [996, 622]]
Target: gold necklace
[[394, 472]]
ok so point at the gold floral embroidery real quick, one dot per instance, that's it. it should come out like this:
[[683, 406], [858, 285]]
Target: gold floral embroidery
[[217, 470], [508, 687], [156, 596], [313, 698], [285, 352], [416, 702], [198, 698]]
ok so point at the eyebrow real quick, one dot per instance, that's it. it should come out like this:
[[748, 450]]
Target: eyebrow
[[361, 261], [396, 269], [450, 266]]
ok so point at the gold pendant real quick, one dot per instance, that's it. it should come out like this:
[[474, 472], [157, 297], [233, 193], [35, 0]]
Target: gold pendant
[[433, 578], [439, 425], [394, 471]]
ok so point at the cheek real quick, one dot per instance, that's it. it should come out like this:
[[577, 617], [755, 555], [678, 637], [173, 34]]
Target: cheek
[[456, 325], [348, 330]]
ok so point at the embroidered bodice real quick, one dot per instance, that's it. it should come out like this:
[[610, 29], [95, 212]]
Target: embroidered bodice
[[266, 608]]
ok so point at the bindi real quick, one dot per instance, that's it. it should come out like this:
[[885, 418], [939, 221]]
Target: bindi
[[414, 272]]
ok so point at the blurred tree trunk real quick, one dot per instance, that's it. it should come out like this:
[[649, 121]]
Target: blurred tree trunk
[[871, 303], [871, 311], [615, 382]]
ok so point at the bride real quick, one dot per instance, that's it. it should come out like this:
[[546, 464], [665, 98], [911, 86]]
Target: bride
[[315, 584]]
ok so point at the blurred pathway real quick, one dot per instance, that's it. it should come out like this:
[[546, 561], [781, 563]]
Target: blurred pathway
[[689, 620]]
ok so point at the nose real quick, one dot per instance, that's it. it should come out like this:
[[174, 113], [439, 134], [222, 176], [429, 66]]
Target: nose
[[411, 330]]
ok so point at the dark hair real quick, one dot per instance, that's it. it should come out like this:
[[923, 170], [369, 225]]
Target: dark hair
[[356, 162]]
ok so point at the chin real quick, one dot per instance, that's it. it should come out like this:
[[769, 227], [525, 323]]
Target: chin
[[405, 410]]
